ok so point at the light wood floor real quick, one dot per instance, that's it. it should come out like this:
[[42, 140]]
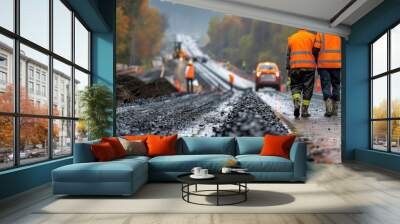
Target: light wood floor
[[379, 189]]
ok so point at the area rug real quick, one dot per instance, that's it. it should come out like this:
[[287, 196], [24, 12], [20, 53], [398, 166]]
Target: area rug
[[166, 198]]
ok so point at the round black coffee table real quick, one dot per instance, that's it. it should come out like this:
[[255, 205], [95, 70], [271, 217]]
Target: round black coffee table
[[238, 179]]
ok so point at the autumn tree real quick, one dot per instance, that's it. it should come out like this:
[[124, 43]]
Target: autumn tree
[[33, 131], [140, 30], [237, 39], [380, 127], [122, 26]]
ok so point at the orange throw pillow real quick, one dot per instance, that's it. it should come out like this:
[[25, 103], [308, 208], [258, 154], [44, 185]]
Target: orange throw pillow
[[135, 137], [103, 152], [116, 145], [161, 145], [277, 145]]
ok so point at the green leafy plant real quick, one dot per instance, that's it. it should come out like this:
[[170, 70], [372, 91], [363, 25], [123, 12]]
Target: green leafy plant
[[96, 102]]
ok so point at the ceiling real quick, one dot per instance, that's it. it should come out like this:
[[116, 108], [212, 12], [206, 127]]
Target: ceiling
[[333, 16]]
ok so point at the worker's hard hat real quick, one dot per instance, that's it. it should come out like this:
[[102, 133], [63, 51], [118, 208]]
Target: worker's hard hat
[[190, 62]]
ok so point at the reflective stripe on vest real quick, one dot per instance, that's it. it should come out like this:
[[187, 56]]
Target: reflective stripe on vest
[[329, 61], [303, 61], [330, 51], [300, 52], [300, 45], [330, 54]]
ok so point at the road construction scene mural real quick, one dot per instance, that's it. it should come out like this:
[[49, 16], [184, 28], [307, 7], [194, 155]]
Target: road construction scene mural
[[195, 72]]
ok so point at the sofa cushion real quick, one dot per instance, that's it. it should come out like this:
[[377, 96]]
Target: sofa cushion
[[136, 137], [249, 145], [136, 147], [133, 157], [112, 171], [116, 145], [159, 145], [185, 163], [257, 163], [103, 152], [83, 152], [206, 145], [277, 145]]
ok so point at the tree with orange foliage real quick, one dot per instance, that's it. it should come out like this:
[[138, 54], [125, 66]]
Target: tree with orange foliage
[[144, 27], [33, 131], [122, 26], [6, 122]]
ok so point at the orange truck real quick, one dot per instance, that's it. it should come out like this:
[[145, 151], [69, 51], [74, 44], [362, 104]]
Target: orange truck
[[267, 75]]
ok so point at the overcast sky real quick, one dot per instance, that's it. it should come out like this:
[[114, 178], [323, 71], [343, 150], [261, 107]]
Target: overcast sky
[[35, 27]]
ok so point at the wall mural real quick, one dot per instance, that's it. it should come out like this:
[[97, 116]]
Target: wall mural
[[200, 73]]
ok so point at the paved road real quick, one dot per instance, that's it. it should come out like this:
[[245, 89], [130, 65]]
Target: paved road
[[212, 71], [323, 134]]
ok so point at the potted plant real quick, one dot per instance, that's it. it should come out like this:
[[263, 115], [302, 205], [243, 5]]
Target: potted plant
[[96, 102]]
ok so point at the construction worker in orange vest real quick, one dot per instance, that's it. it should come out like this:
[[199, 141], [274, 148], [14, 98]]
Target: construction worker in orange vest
[[301, 70], [189, 75], [231, 80], [328, 47]]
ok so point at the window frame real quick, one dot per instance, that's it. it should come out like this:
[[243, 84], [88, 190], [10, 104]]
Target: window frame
[[16, 114], [388, 74]]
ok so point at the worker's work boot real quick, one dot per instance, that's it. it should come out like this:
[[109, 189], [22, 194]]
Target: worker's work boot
[[328, 107], [335, 107], [296, 103], [304, 111]]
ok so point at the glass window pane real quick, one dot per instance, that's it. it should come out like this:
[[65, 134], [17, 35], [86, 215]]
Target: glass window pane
[[379, 135], [35, 21], [33, 139], [6, 142], [34, 97], [7, 14], [62, 138], [62, 29], [379, 97], [81, 82], [62, 89], [379, 56], [6, 74], [395, 95], [81, 45], [395, 47], [81, 131], [395, 136]]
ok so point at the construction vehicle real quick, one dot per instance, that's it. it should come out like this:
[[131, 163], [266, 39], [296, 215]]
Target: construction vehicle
[[181, 54], [178, 52]]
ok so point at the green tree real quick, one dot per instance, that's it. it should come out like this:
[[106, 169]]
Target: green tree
[[97, 103], [238, 39]]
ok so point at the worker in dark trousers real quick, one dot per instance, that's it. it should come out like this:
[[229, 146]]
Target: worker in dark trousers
[[301, 70], [231, 80], [327, 47], [189, 75]]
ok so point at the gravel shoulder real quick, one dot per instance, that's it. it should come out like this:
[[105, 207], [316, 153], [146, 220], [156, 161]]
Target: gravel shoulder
[[167, 114]]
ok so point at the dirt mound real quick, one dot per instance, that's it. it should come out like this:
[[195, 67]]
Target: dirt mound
[[130, 88]]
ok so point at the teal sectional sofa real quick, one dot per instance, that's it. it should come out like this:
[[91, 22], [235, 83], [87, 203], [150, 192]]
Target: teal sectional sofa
[[125, 176]]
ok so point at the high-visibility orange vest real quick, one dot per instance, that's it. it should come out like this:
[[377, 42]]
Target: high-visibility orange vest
[[189, 74], [300, 45], [330, 53], [231, 78]]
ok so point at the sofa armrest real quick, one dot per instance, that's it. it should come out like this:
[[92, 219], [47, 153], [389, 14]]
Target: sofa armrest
[[298, 155], [83, 152]]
